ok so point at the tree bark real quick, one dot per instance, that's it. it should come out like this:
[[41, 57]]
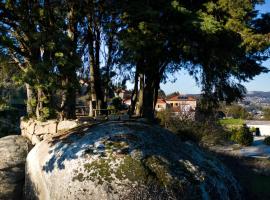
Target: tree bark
[[139, 105], [39, 106], [97, 95], [108, 68], [70, 77], [93, 97], [152, 81], [134, 94], [30, 98]]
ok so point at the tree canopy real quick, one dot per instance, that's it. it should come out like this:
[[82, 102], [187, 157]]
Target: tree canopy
[[53, 44]]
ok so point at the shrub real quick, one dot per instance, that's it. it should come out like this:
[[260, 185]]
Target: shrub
[[117, 103], [242, 136], [253, 130], [164, 117], [207, 133], [112, 109], [267, 140]]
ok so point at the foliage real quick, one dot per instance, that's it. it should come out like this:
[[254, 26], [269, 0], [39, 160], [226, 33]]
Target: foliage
[[51, 44], [237, 112], [242, 136], [9, 121], [231, 121], [266, 113], [207, 132], [267, 140], [117, 103], [252, 129]]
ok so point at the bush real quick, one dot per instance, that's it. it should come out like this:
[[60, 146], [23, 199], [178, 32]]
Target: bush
[[253, 130], [266, 113], [207, 133], [117, 103], [267, 140], [242, 136]]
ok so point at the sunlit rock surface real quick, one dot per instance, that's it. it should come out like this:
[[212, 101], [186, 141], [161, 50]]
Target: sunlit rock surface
[[125, 160], [13, 152]]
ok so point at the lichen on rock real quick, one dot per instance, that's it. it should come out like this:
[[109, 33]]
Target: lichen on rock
[[127, 160]]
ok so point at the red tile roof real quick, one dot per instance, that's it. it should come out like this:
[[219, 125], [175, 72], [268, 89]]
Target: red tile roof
[[161, 101], [181, 98]]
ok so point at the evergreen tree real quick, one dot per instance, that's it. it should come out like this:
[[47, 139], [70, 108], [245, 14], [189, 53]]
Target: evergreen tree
[[216, 42]]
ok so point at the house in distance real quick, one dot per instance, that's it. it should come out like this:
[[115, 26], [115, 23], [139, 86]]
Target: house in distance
[[177, 104]]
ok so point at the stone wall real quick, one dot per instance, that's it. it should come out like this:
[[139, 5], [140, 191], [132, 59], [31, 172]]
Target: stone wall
[[37, 131]]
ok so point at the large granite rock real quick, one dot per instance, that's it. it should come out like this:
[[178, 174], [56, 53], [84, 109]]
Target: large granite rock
[[14, 149], [125, 160]]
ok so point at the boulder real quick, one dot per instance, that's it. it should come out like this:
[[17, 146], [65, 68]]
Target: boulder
[[14, 149], [35, 139], [125, 160]]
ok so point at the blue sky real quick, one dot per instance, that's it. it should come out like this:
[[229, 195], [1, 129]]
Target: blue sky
[[186, 84]]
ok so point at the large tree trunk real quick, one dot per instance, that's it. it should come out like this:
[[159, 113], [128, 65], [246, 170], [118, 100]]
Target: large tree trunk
[[140, 99], [30, 98], [97, 95], [69, 100], [134, 94], [152, 81], [40, 103], [93, 97], [70, 78], [148, 100], [98, 82], [108, 68]]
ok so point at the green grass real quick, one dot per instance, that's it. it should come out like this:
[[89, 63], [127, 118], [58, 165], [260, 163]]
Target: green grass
[[231, 121]]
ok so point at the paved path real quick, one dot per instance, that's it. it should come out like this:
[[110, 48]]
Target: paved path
[[257, 150]]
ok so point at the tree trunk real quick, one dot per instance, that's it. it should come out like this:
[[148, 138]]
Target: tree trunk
[[150, 95], [98, 83], [108, 67], [134, 95], [97, 95], [93, 97], [139, 105], [39, 106], [30, 98], [70, 76]]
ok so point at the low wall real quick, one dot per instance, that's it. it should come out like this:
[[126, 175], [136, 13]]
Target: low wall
[[37, 131]]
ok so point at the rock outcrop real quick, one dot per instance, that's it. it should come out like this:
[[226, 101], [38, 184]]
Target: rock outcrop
[[125, 160], [14, 149]]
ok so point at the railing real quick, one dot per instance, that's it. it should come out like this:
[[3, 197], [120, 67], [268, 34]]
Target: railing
[[84, 111]]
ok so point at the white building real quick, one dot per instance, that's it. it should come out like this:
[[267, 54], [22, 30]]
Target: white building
[[264, 126]]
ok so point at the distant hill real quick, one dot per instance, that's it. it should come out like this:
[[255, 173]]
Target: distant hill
[[258, 94]]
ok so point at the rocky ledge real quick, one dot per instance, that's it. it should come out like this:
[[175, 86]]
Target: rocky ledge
[[125, 160]]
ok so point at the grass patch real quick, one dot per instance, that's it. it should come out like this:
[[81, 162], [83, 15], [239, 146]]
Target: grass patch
[[231, 121]]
